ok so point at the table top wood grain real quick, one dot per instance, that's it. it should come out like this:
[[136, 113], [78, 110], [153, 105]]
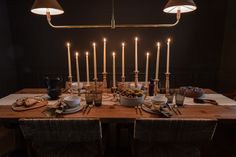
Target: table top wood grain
[[117, 112]]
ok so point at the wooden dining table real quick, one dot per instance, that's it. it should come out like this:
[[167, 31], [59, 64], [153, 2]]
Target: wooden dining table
[[122, 113]]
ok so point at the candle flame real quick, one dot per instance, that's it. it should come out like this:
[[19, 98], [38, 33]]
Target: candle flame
[[136, 38], [158, 44], [123, 44], [168, 40], [94, 44], [87, 53], [68, 44], [148, 53], [113, 53], [104, 39], [76, 54]]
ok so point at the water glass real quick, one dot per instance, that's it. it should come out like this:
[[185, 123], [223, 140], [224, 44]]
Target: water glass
[[89, 98], [98, 98], [179, 99]]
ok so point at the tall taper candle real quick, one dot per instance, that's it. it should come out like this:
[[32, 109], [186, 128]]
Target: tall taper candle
[[87, 67], [168, 56], [136, 54], [147, 64], [77, 68], [114, 69], [69, 60], [158, 60], [95, 61], [123, 60], [104, 56]]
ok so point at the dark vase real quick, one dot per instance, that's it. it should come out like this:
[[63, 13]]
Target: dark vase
[[54, 86]]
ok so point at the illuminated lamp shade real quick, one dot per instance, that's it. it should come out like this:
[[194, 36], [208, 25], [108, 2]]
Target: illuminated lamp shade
[[184, 6], [41, 7]]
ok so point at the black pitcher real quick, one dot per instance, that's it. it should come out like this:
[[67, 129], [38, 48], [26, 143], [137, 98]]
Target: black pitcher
[[54, 86]]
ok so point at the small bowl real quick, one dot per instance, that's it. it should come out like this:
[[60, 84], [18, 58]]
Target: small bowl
[[159, 99], [75, 85], [72, 101], [126, 101]]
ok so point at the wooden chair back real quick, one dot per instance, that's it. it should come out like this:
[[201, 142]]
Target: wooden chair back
[[61, 130], [174, 130]]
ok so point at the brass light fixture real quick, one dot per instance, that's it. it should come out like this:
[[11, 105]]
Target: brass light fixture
[[52, 7]]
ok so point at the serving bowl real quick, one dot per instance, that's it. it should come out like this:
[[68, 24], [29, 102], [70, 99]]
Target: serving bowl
[[72, 101], [127, 101]]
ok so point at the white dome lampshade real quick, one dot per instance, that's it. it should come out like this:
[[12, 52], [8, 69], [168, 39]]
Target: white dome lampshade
[[184, 6], [41, 7]]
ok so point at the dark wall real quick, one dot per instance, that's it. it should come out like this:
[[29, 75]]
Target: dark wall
[[7, 58], [227, 73], [195, 51]]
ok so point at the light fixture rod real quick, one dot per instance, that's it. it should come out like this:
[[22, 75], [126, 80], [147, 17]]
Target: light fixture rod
[[113, 25]]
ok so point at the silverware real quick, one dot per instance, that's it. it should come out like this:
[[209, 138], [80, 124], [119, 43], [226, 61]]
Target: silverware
[[140, 109], [89, 108], [176, 107], [85, 108]]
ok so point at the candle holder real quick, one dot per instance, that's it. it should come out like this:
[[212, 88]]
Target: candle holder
[[123, 79], [113, 90], [167, 83], [68, 84], [104, 80], [156, 88], [136, 78]]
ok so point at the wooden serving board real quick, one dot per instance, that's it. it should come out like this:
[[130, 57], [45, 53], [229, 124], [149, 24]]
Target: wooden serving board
[[23, 108]]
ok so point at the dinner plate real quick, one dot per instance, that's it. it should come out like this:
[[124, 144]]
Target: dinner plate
[[73, 110]]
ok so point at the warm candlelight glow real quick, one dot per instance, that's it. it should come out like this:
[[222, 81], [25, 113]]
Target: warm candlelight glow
[[123, 44], [136, 38], [86, 53], [113, 53], [76, 54], [168, 40], [104, 39], [94, 44], [148, 53], [68, 44], [158, 44]]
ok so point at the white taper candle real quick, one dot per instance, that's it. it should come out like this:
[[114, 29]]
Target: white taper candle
[[95, 61], [104, 56], [123, 59], [69, 60], [147, 64], [77, 68], [87, 67], [114, 69], [168, 57], [136, 54], [158, 60]]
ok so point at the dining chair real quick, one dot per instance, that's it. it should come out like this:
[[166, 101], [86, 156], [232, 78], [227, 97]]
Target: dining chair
[[62, 137], [172, 137]]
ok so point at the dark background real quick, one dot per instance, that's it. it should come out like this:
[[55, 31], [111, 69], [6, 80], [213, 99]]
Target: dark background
[[203, 51]]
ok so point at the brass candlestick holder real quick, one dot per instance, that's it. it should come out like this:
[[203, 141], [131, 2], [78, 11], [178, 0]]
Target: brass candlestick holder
[[156, 87], [68, 84], [167, 83], [104, 80], [136, 78]]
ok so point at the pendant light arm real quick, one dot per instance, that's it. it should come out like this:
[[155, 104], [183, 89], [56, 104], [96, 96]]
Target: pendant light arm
[[113, 25]]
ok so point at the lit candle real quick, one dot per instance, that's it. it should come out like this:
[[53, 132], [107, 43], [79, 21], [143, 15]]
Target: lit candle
[[114, 69], [77, 68], [87, 67], [104, 56], [136, 54], [158, 60], [123, 60], [95, 61], [147, 63], [168, 57], [69, 60]]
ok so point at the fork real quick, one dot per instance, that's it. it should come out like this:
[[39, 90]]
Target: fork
[[89, 108]]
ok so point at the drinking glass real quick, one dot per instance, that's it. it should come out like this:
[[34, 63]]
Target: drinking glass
[[98, 98], [179, 99], [89, 98]]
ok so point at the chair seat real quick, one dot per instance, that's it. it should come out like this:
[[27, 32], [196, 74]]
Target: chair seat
[[166, 150], [65, 150]]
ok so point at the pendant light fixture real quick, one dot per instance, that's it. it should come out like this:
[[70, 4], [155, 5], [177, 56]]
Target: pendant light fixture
[[52, 7]]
